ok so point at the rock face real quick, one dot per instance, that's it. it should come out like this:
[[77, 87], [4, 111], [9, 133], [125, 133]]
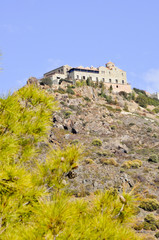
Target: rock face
[[33, 80]]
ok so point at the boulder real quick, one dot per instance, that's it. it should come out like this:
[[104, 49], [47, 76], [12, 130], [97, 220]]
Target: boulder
[[32, 80]]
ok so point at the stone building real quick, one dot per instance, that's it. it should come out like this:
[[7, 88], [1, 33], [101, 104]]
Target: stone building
[[110, 75]]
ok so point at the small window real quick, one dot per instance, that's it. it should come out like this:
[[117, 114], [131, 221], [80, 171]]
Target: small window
[[122, 74], [59, 71], [122, 81], [109, 72], [103, 79], [77, 76], [116, 80], [84, 77], [58, 77], [110, 80], [90, 78], [116, 86], [97, 79]]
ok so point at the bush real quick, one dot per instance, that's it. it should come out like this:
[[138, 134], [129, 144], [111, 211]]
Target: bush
[[149, 204], [123, 94], [70, 91], [150, 218], [132, 164], [157, 235], [97, 142], [153, 158], [89, 161], [46, 81], [87, 99], [67, 114], [142, 100], [60, 90], [109, 161]]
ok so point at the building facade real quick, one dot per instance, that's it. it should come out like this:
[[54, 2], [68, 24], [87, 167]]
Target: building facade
[[110, 75]]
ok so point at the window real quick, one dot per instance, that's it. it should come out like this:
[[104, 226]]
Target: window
[[103, 72], [97, 79], [116, 86], [116, 80], [90, 78], [122, 81], [58, 77], [84, 77], [110, 80], [59, 71], [77, 76], [122, 74], [103, 79], [109, 72]]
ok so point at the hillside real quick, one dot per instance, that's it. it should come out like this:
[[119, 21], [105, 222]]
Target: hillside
[[120, 141], [77, 163]]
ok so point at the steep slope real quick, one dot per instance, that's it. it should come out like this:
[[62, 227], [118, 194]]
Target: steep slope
[[120, 142]]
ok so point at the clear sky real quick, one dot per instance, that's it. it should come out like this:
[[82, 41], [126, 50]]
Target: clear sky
[[40, 35]]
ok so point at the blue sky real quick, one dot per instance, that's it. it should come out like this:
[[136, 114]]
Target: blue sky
[[38, 35]]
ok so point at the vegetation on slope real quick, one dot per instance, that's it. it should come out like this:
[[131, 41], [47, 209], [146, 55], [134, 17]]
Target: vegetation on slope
[[34, 200]]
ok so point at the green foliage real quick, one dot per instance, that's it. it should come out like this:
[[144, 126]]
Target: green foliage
[[109, 161], [80, 83], [88, 82], [153, 158], [67, 114], [142, 100], [149, 204], [34, 204], [60, 90], [70, 91], [145, 100], [156, 110], [97, 142], [126, 109], [111, 89], [46, 81], [132, 164], [87, 99], [157, 235], [123, 94]]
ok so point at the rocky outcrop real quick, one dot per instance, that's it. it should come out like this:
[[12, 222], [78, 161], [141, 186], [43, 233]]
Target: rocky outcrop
[[32, 80]]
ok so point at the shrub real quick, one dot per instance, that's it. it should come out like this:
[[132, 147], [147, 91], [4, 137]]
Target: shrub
[[149, 204], [109, 161], [132, 164], [89, 161], [157, 235], [46, 81], [97, 142], [70, 91], [126, 109], [153, 158], [67, 114], [80, 83], [123, 94], [87, 99], [142, 100], [149, 129], [60, 90]]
